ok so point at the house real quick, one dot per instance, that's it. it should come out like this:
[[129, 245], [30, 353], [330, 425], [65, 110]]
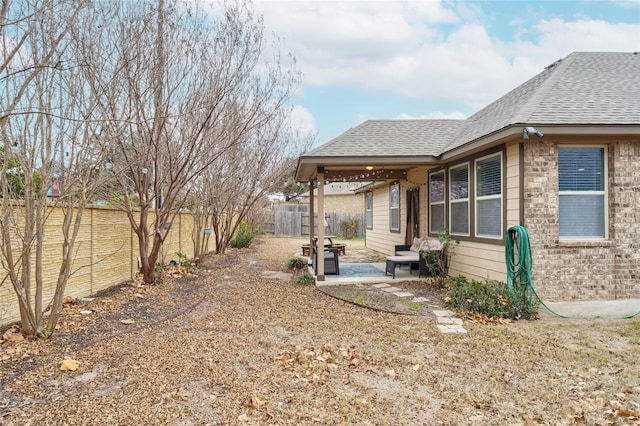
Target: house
[[559, 155], [339, 197]]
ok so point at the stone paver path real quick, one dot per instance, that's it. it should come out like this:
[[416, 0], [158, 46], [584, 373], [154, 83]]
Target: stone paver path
[[446, 322]]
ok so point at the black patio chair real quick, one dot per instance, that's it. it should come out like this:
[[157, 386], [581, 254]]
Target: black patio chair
[[331, 259]]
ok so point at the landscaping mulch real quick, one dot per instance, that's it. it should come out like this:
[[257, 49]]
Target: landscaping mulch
[[238, 342]]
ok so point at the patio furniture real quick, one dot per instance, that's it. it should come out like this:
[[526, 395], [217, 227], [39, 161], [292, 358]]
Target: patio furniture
[[406, 250], [394, 261], [306, 248], [331, 262], [342, 248]]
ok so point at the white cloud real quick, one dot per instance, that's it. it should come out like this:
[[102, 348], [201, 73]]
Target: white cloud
[[302, 120], [428, 49]]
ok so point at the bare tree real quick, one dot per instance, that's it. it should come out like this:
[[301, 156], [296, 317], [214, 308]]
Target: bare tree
[[177, 90], [237, 183], [47, 156]]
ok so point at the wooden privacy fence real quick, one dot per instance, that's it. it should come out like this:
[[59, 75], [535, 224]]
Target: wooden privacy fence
[[293, 220], [106, 254]]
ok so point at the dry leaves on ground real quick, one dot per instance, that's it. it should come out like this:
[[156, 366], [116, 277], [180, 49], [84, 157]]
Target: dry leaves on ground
[[231, 346]]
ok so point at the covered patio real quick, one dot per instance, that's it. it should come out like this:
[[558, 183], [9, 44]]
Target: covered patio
[[360, 265], [373, 154]]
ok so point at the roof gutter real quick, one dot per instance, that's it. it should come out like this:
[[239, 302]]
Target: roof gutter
[[515, 131]]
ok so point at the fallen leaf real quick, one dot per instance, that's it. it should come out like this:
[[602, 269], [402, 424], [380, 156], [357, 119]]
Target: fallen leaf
[[628, 413], [13, 335], [69, 364]]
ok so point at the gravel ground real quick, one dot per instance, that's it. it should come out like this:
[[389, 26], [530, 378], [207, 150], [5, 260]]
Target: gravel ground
[[241, 344]]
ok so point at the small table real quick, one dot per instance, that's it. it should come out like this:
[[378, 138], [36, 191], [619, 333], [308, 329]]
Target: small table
[[394, 261]]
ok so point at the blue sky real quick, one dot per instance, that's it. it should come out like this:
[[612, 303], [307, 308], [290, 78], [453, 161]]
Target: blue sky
[[387, 59]]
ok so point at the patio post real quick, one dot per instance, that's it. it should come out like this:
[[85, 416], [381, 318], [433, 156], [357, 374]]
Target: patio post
[[320, 240], [311, 219]]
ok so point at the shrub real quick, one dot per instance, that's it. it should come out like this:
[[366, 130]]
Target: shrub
[[304, 278], [437, 262], [349, 227], [489, 298], [184, 260], [296, 263], [243, 237]]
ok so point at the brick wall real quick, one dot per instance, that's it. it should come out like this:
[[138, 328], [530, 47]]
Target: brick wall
[[595, 270], [106, 254]]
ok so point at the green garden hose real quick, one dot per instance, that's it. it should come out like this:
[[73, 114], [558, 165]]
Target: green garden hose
[[519, 272]]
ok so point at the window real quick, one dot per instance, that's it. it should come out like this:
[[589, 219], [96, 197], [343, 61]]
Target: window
[[459, 200], [582, 190], [368, 206], [488, 199], [436, 202], [394, 207]]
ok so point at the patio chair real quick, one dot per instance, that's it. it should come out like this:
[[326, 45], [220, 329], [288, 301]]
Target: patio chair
[[331, 262]]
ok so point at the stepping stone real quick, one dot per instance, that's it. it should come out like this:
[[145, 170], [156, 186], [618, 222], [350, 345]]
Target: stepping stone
[[381, 285], [451, 329], [420, 299], [444, 313], [449, 321], [403, 294], [391, 289]]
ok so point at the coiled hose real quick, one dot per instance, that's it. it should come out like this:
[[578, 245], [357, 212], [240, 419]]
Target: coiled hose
[[519, 271]]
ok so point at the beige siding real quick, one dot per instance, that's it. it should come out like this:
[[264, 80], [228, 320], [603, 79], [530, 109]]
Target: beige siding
[[478, 261], [341, 203], [512, 184], [380, 238]]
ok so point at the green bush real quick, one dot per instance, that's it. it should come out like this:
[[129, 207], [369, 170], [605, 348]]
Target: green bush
[[184, 260], [243, 237], [304, 278], [296, 263], [349, 227], [489, 298]]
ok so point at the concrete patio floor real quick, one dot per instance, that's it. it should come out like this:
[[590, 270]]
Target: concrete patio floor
[[402, 274]]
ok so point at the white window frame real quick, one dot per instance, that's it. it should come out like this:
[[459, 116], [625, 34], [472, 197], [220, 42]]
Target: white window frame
[[394, 210], [478, 198], [442, 203], [604, 193], [460, 200], [368, 206]]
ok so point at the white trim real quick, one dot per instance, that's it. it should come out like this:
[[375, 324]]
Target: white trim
[[467, 200], [391, 208], [478, 198], [443, 203], [605, 193]]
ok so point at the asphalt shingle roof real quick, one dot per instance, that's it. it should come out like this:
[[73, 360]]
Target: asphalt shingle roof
[[388, 138], [595, 88], [582, 89]]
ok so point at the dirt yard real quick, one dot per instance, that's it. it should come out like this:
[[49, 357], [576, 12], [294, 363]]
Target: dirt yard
[[241, 344]]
